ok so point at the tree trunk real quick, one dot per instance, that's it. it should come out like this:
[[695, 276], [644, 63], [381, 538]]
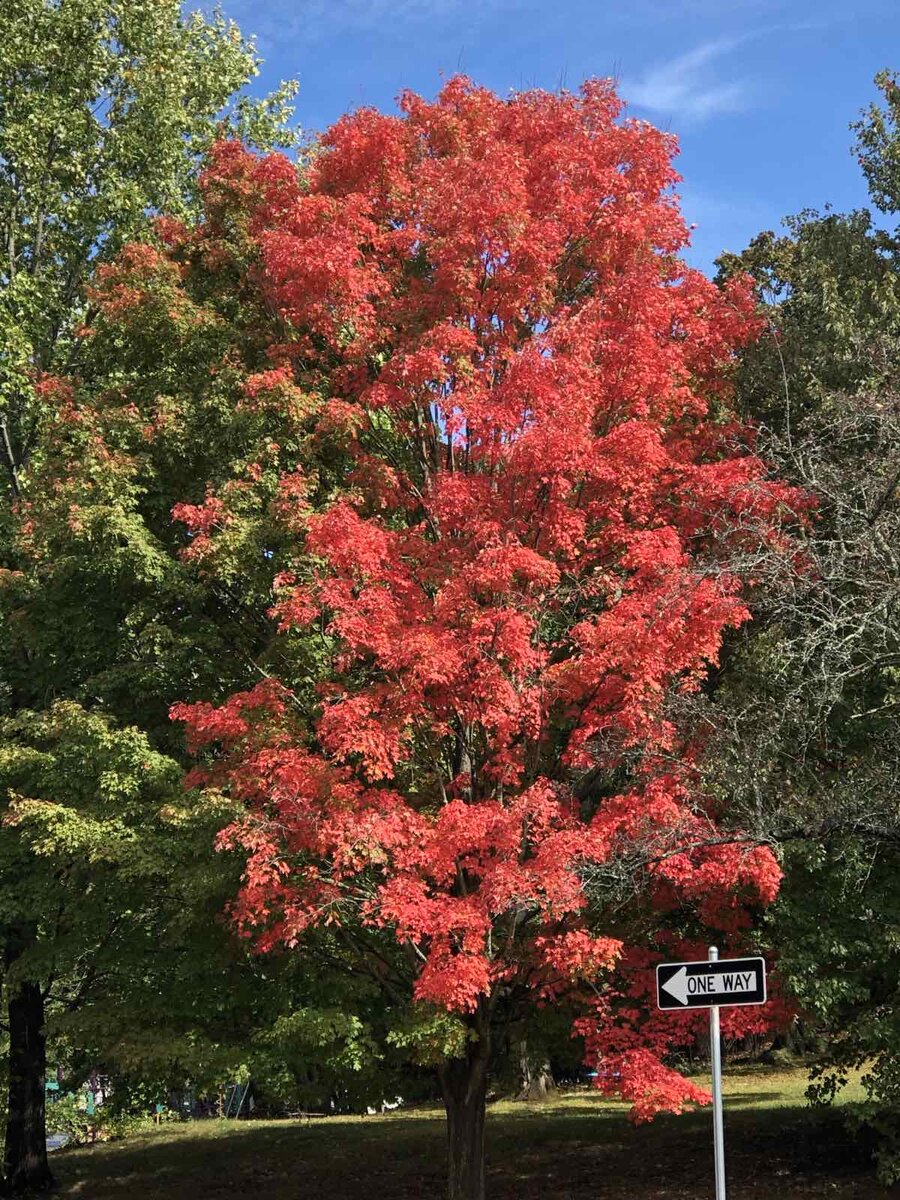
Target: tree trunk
[[537, 1082], [464, 1085], [25, 1166]]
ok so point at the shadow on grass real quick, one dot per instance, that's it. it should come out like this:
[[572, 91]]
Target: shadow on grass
[[572, 1150]]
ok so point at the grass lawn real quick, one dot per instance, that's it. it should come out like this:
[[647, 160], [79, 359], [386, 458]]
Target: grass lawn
[[578, 1147]]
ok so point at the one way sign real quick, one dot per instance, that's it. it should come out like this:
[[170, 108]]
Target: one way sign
[[707, 984]]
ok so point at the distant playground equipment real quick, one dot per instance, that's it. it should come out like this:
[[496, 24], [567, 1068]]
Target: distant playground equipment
[[81, 1107], [237, 1093]]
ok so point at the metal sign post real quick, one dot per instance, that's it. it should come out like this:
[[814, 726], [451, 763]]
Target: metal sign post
[[710, 984], [715, 1048]]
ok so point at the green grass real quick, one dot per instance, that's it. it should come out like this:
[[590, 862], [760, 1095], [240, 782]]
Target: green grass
[[578, 1147]]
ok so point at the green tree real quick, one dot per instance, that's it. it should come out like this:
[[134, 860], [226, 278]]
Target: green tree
[[106, 109], [830, 290], [807, 743], [878, 144], [129, 964], [97, 869]]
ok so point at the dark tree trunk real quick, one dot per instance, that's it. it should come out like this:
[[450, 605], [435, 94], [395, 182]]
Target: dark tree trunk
[[25, 1166], [464, 1085]]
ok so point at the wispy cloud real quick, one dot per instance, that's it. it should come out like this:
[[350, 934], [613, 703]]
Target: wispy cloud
[[690, 86]]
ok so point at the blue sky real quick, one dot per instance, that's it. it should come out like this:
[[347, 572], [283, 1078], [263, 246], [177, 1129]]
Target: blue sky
[[760, 92]]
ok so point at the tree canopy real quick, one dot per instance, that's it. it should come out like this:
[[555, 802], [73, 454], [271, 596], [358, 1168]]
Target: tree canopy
[[529, 557]]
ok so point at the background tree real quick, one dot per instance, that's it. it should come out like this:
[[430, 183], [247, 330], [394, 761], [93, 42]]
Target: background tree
[[87, 87], [96, 878], [484, 303], [877, 140], [806, 749]]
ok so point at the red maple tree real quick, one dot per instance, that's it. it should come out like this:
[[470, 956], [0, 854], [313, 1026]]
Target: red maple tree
[[530, 557]]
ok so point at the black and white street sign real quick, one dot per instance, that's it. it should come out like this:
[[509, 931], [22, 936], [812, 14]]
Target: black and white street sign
[[708, 984], [711, 984]]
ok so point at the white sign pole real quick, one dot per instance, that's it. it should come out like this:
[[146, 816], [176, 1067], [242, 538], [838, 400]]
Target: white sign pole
[[715, 1047]]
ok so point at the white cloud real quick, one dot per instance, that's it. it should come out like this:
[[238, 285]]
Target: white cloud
[[689, 86]]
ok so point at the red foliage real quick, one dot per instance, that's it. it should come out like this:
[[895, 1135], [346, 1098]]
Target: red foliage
[[533, 555], [121, 288]]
